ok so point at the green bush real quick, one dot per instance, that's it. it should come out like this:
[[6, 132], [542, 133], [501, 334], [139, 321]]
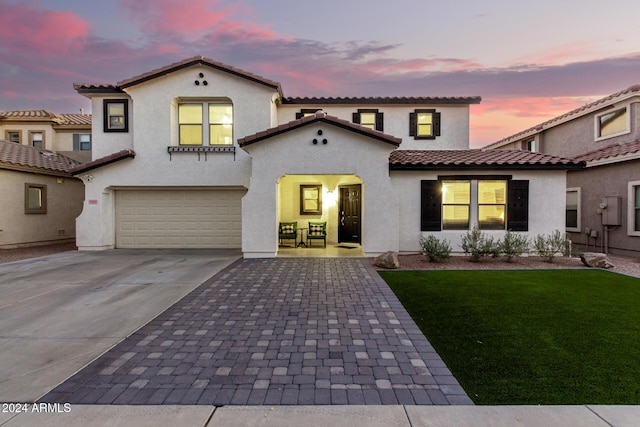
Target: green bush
[[434, 249], [514, 245], [548, 246], [476, 244]]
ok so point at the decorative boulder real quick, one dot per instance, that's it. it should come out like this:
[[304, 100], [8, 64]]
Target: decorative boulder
[[387, 260], [594, 259]]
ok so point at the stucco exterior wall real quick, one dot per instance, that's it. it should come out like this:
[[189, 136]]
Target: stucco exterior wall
[[105, 143], [595, 183], [454, 123], [546, 204], [293, 153], [64, 203]]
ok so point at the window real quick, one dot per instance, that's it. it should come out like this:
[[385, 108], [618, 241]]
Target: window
[[633, 216], [307, 112], [492, 201], [116, 115], [424, 124], [36, 139], [369, 118], [611, 123], [456, 197], [572, 222], [501, 203], [529, 145], [310, 199], [35, 199], [82, 142], [218, 120], [13, 136]]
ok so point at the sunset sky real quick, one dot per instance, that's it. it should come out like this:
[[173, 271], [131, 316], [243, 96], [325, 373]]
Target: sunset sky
[[530, 61]]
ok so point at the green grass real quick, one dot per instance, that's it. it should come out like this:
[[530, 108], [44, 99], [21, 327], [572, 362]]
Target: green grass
[[531, 337]]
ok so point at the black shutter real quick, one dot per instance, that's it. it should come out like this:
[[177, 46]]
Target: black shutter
[[76, 142], [430, 205], [436, 124], [518, 205], [380, 122], [356, 118], [413, 124], [299, 115]]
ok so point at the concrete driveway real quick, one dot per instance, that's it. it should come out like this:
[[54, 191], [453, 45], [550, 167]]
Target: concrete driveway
[[60, 312]]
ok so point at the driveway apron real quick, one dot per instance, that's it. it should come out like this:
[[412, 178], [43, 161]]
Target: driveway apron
[[282, 331]]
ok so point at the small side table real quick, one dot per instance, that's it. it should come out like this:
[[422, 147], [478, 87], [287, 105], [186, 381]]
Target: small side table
[[301, 232]]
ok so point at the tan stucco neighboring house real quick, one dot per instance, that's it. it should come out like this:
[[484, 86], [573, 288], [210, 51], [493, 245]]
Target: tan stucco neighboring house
[[602, 209], [67, 134], [40, 198], [202, 154]]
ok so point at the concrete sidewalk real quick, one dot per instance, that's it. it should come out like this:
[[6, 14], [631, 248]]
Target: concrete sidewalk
[[334, 416]]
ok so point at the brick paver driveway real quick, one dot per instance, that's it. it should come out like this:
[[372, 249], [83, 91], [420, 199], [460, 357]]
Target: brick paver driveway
[[283, 331]]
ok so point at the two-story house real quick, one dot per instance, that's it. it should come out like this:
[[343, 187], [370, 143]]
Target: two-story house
[[602, 200], [202, 154], [66, 134]]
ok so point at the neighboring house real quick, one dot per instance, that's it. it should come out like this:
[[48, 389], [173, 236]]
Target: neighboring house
[[202, 154], [603, 200], [40, 198], [67, 134]]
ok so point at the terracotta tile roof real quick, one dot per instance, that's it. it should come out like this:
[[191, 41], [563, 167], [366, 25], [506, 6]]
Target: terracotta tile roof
[[379, 100], [588, 108], [611, 152], [318, 117], [76, 119], [93, 88], [46, 115], [478, 159], [103, 161], [23, 156]]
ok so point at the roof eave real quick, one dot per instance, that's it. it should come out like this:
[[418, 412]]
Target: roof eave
[[86, 167], [486, 167]]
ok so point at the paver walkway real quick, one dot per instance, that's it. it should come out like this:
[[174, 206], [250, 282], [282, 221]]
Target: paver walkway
[[283, 331]]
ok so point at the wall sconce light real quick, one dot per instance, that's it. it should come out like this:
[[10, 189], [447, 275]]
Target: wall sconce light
[[60, 180], [88, 177]]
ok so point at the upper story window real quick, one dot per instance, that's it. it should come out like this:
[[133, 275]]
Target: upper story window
[[116, 115], [424, 124], [304, 112], [13, 136], [82, 142], [205, 122], [370, 118], [36, 139], [612, 123], [529, 145]]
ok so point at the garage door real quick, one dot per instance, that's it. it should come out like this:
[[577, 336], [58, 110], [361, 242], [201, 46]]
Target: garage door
[[178, 219]]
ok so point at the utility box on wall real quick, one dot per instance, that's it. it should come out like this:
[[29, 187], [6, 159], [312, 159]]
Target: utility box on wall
[[611, 212]]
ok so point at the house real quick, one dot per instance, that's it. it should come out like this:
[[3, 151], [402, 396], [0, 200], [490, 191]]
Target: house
[[603, 199], [40, 198], [202, 154], [67, 134]]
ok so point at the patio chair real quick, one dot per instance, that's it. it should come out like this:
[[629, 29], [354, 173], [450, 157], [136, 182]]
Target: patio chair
[[288, 231], [317, 231]]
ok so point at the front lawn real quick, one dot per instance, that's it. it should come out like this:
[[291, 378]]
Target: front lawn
[[531, 337]]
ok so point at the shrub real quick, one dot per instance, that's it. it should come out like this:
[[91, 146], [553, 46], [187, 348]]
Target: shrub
[[549, 246], [434, 249], [476, 244], [514, 245]]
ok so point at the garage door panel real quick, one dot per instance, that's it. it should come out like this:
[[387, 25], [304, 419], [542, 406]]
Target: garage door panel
[[178, 219]]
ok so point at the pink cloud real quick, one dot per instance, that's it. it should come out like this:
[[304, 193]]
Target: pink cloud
[[25, 27]]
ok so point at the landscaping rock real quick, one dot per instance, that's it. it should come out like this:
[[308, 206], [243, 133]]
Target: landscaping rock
[[387, 260], [594, 259]]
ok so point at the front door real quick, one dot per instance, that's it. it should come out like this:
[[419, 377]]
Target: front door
[[349, 215]]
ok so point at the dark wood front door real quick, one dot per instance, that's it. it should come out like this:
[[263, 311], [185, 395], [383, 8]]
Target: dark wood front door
[[349, 214]]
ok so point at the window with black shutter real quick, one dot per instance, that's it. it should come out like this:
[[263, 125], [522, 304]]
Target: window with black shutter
[[518, 205], [425, 124], [430, 205], [371, 118]]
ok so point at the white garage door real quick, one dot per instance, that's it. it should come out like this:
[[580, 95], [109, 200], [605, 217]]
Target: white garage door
[[178, 219]]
